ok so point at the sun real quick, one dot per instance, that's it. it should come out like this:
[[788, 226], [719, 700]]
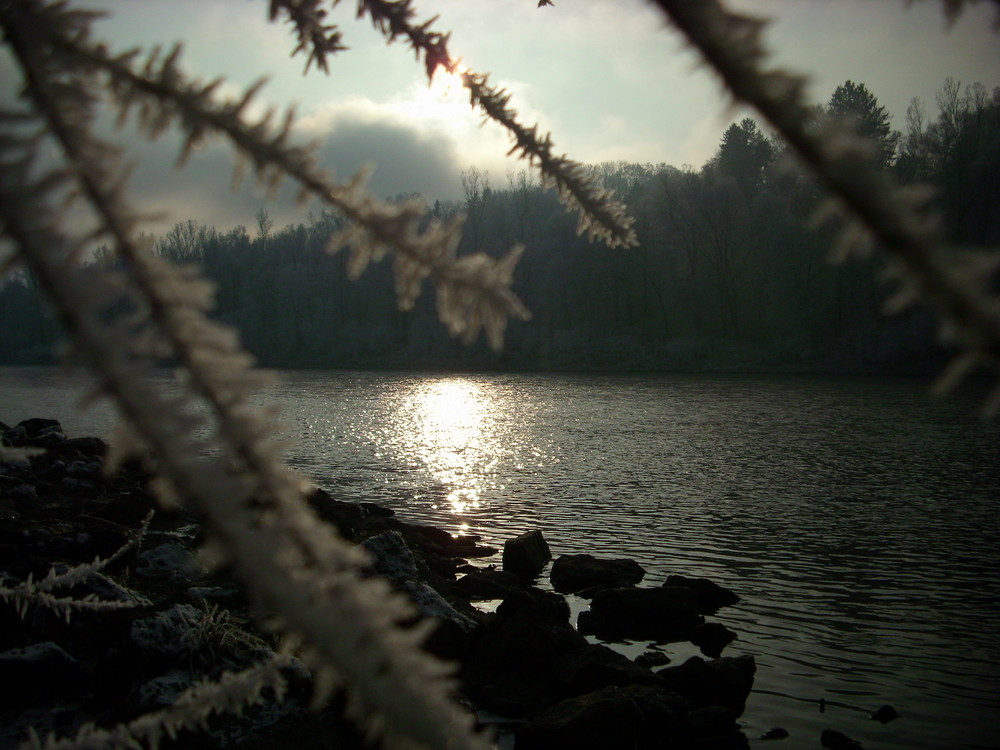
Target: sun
[[446, 83], [441, 100]]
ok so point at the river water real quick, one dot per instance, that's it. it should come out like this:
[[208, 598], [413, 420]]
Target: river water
[[858, 518]]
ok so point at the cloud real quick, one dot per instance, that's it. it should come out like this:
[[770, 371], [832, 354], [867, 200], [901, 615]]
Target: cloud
[[408, 156], [406, 159]]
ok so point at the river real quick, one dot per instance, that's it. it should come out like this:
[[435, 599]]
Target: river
[[858, 518]]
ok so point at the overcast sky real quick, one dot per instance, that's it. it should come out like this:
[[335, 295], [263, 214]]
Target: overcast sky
[[606, 77]]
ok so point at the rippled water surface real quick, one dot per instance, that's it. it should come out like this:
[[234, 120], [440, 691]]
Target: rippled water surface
[[858, 519]]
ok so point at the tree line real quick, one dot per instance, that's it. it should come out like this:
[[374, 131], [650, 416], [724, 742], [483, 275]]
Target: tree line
[[724, 276]]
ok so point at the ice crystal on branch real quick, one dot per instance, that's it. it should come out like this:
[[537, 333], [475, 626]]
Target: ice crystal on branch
[[600, 216]]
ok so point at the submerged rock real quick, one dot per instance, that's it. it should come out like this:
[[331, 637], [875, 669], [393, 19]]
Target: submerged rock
[[775, 733], [834, 740], [572, 574], [885, 714]]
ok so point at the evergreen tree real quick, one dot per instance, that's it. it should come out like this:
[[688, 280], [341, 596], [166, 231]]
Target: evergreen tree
[[744, 154], [853, 101]]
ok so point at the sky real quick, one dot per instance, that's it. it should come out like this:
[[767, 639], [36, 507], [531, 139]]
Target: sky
[[608, 78]]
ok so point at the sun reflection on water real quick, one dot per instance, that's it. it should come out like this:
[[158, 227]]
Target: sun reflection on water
[[455, 441]]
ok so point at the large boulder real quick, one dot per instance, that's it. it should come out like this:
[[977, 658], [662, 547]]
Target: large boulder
[[526, 555], [664, 614], [711, 596], [722, 682], [573, 574], [638, 717]]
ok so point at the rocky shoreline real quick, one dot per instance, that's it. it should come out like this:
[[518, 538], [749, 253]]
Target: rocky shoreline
[[524, 668]]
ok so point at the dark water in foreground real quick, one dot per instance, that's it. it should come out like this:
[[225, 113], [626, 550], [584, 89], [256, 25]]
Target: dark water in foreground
[[858, 519]]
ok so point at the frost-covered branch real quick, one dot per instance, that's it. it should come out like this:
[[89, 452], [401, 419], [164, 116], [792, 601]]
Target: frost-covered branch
[[231, 693], [165, 96], [39, 592], [302, 579], [317, 39], [600, 216]]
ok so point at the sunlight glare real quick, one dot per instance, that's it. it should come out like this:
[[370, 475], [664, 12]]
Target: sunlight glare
[[441, 99], [454, 446]]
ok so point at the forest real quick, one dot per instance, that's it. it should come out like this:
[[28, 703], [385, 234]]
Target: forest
[[731, 273]]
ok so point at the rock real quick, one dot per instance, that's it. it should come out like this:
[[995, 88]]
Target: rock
[[652, 658], [643, 613], [79, 487], [711, 638], [347, 518], [509, 667], [87, 446], [37, 673], [450, 638], [440, 542], [775, 733], [571, 574], [393, 559], [129, 508], [173, 633], [487, 584], [84, 469], [885, 714], [48, 439], [542, 605], [431, 604], [39, 433], [638, 717], [161, 692], [37, 426], [15, 437], [526, 555], [723, 682], [711, 596], [838, 741], [19, 492], [169, 560], [595, 666]]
